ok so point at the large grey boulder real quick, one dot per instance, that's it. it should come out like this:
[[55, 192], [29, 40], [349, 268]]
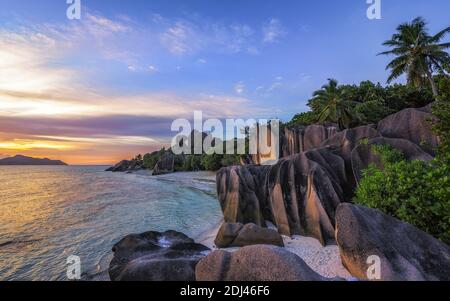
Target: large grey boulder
[[126, 165], [297, 139], [239, 235], [406, 253], [363, 155], [242, 195], [304, 191], [413, 125], [255, 263], [155, 256], [346, 140], [164, 165], [298, 194]]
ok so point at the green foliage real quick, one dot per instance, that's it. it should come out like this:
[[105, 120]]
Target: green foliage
[[193, 163], [332, 106], [374, 102], [399, 97], [441, 110], [178, 164], [212, 162], [231, 160], [151, 159], [413, 191], [366, 103], [371, 111], [304, 119]]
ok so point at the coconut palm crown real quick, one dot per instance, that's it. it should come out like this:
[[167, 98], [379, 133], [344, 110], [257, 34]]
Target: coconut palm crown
[[418, 54], [333, 107]]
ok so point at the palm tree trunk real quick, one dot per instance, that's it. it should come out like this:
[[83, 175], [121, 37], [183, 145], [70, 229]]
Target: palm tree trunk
[[432, 83]]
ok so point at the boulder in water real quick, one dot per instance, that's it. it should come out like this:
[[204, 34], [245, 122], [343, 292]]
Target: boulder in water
[[122, 166]]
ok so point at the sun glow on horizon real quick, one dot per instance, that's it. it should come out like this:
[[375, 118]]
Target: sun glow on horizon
[[19, 144]]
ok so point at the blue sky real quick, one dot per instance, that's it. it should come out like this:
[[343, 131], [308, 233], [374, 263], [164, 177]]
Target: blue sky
[[127, 68]]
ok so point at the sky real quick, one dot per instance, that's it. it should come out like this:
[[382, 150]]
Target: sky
[[108, 86]]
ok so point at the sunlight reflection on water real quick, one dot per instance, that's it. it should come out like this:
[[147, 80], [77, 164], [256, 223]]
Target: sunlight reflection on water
[[51, 212]]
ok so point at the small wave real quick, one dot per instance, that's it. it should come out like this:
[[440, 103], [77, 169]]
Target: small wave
[[18, 242]]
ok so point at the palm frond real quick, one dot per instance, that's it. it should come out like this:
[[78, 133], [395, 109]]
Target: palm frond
[[437, 37], [444, 45], [401, 60], [396, 73]]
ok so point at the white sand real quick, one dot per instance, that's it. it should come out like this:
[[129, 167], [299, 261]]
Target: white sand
[[325, 261]]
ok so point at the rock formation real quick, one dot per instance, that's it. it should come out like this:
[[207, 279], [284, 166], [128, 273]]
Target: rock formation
[[241, 193], [300, 193], [155, 256], [165, 164], [255, 263], [411, 124], [239, 235], [296, 140], [362, 155], [125, 166], [406, 253]]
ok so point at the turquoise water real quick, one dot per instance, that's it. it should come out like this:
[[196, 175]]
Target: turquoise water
[[48, 213]]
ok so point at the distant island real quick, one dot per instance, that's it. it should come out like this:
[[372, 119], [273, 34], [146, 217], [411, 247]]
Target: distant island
[[24, 160]]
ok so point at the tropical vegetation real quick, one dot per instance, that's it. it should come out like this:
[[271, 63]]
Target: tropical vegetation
[[415, 191]]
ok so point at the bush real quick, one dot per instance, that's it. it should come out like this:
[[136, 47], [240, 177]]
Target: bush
[[441, 109], [151, 159], [178, 163], [413, 191], [212, 162], [193, 163], [372, 111], [231, 160], [304, 119]]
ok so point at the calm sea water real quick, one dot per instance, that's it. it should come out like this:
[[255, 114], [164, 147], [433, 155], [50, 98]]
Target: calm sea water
[[48, 213]]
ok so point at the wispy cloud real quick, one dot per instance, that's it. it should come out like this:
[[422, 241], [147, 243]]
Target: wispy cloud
[[273, 31], [181, 38], [50, 105], [101, 26], [239, 88], [184, 36]]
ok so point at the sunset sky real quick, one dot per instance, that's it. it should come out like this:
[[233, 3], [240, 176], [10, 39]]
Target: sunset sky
[[108, 86]]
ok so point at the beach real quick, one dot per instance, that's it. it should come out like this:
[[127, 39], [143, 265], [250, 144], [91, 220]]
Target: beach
[[324, 260]]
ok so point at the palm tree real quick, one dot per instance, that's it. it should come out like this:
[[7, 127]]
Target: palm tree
[[333, 108], [417, 53]]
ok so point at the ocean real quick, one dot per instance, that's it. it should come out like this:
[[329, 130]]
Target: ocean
[[48, 213]]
